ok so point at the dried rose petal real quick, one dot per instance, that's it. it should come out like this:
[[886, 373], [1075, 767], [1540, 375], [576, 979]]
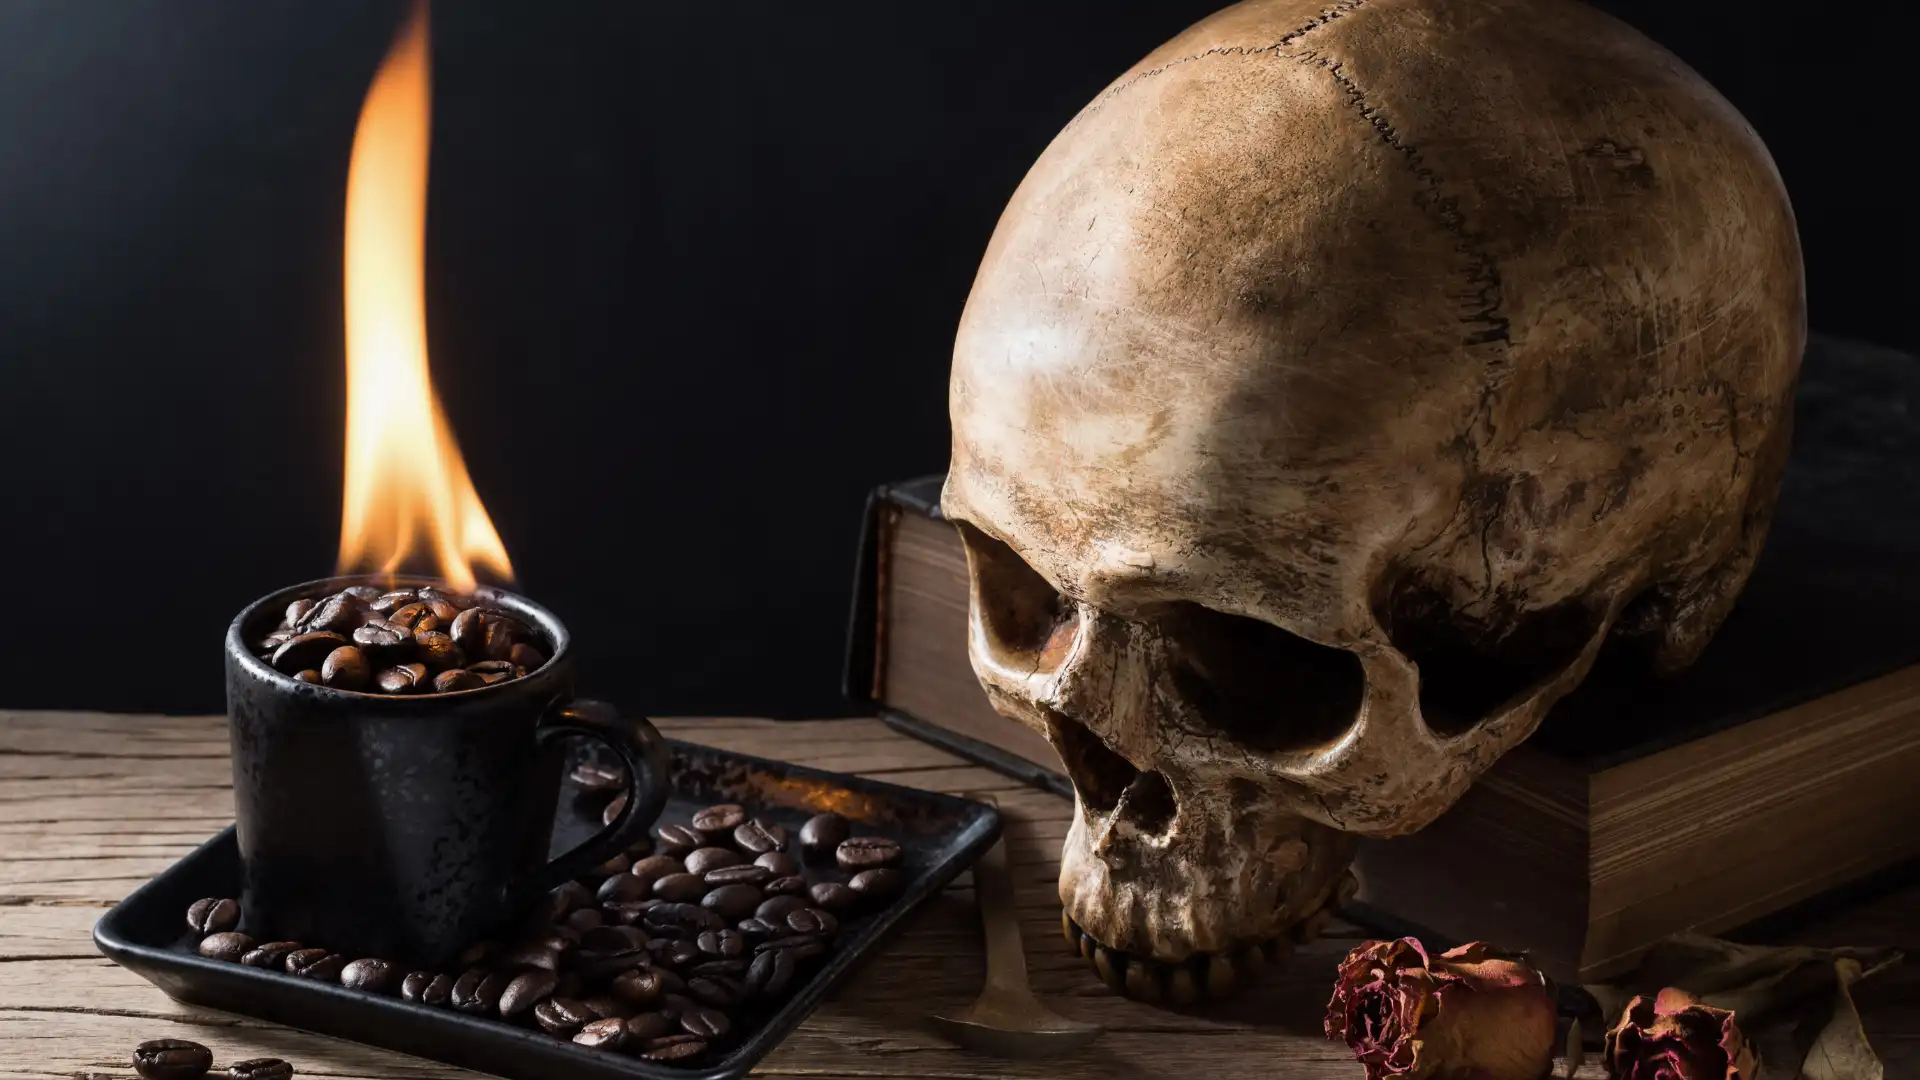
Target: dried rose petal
[[1468, 1014], [1674, 1037]]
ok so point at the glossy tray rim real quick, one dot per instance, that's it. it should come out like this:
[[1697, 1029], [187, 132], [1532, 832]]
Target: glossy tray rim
[[471, 1042]]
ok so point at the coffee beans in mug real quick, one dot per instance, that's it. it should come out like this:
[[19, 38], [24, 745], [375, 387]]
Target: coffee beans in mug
[[405, 641], [171, 1059]]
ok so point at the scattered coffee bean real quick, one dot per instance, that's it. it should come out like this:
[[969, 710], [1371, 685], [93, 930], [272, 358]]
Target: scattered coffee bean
[[673, 952], [478, 990], [346, 668], [771, 973], [527, 990], [679, 888], [812, 920], [326, 967], [802, 946], [879, 885], [866, 853], [608, 1034], [725, 944], [599, 779], [623, 887], [648, 1026], [214, 915], [654, 867], [171, 1059], [733, 902], [716, 990], [822, 834], [606, 1005], [787, 886], [373, 976], [228, 946], [706, 1023], [537, 955], [711, 858], [747, 874], [759, 837], [568, 897], [562, 1016], [272, 955], [586, 919], [664, 1051], [781, 863], [757, 930], [260, 1069], [777, 908], [833, 896], [717, 823], [641, 987], [679, 840]]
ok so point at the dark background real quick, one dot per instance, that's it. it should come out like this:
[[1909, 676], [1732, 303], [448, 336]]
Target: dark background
[[694, 271]]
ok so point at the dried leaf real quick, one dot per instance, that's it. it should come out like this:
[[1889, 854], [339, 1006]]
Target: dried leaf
[[1840, 1050]]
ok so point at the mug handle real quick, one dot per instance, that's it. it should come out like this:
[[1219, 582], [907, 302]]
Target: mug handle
[[643, 752]]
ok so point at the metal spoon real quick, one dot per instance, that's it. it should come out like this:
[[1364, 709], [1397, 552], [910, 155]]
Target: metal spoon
[[1006, 1020]]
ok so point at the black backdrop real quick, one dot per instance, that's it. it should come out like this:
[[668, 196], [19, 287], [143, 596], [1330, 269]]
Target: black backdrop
[[693, 275]]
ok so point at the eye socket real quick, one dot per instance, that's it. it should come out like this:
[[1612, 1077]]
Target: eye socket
[[1265, 688], [1026, 619], [1468, 671]]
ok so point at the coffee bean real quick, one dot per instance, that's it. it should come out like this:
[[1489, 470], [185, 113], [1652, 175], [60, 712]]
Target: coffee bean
[[648, 1026], [781, 863], [297, 611], [438, 652], [771, 973], [171, 1059], [787, 886], [759, 837], [228, 946], [260, 1069], [673, 952], [866, 853], [478, 990], [468, 629], [609, 939], [813, 921], [456, 680], [757, 930], [305, 651], [430, 593], [822, 834], [738, 875], [674, 1006], [679, 888], [527, 989], [716, 990], [478, 953], [711, 858], [272, 955], [732, 969], [568, 896], [802, 946], [833, 896], [776, 909], [639, 987], [562, 1016], [608, 1034], [706, 1023], [373, 976], [523, 655], [402, 679], [346, 668], [678, 840], [381, 637], [538, 955], [733, 902], [326, 967], [595, 964], [627, 913], [274, 640], [310, 675], [723, 944], [618, 864], [663, 1051], [340, 613], [878, 885], [597, 778], [717, 823], [604, 1006], [586, 919], [623, 887], [654, 867], [367, 593], [388, 602], [214, 915], [408, 616]]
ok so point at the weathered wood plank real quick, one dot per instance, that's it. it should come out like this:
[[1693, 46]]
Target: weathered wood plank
[[91, 805]]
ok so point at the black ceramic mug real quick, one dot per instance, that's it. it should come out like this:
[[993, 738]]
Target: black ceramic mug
[[408, 826]]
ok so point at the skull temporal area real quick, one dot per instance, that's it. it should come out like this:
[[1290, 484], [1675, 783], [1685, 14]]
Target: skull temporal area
[[1334, 384]]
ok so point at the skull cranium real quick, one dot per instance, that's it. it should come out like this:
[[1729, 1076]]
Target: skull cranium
[[1333, 386]]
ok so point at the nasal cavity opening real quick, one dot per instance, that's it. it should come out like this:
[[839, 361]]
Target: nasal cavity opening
[[1028, 623], [1472, 667], [1261, 686], [1098, 774]]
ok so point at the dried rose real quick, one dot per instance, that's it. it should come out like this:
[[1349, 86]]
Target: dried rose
[[1674, 1037], [1467, 1014]]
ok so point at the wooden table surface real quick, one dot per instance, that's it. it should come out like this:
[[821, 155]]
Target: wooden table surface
[[93, 805]]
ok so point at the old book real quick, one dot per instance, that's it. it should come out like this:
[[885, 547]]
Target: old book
[[1775, 770]]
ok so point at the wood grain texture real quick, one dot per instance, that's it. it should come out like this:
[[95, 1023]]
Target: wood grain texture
[[92, 805]]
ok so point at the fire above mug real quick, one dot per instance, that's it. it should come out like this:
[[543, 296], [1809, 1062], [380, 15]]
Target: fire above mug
[[405, 826]]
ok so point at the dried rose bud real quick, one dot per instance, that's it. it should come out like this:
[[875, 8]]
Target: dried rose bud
[[1674, 1037], [1467, 1014]]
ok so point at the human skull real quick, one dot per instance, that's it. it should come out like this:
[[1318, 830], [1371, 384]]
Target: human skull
[[1335, 383]]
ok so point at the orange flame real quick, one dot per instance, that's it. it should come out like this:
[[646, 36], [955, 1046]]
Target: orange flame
[[406, 484]]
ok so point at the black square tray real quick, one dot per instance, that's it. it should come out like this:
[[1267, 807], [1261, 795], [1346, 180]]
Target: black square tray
[[941, 835]]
